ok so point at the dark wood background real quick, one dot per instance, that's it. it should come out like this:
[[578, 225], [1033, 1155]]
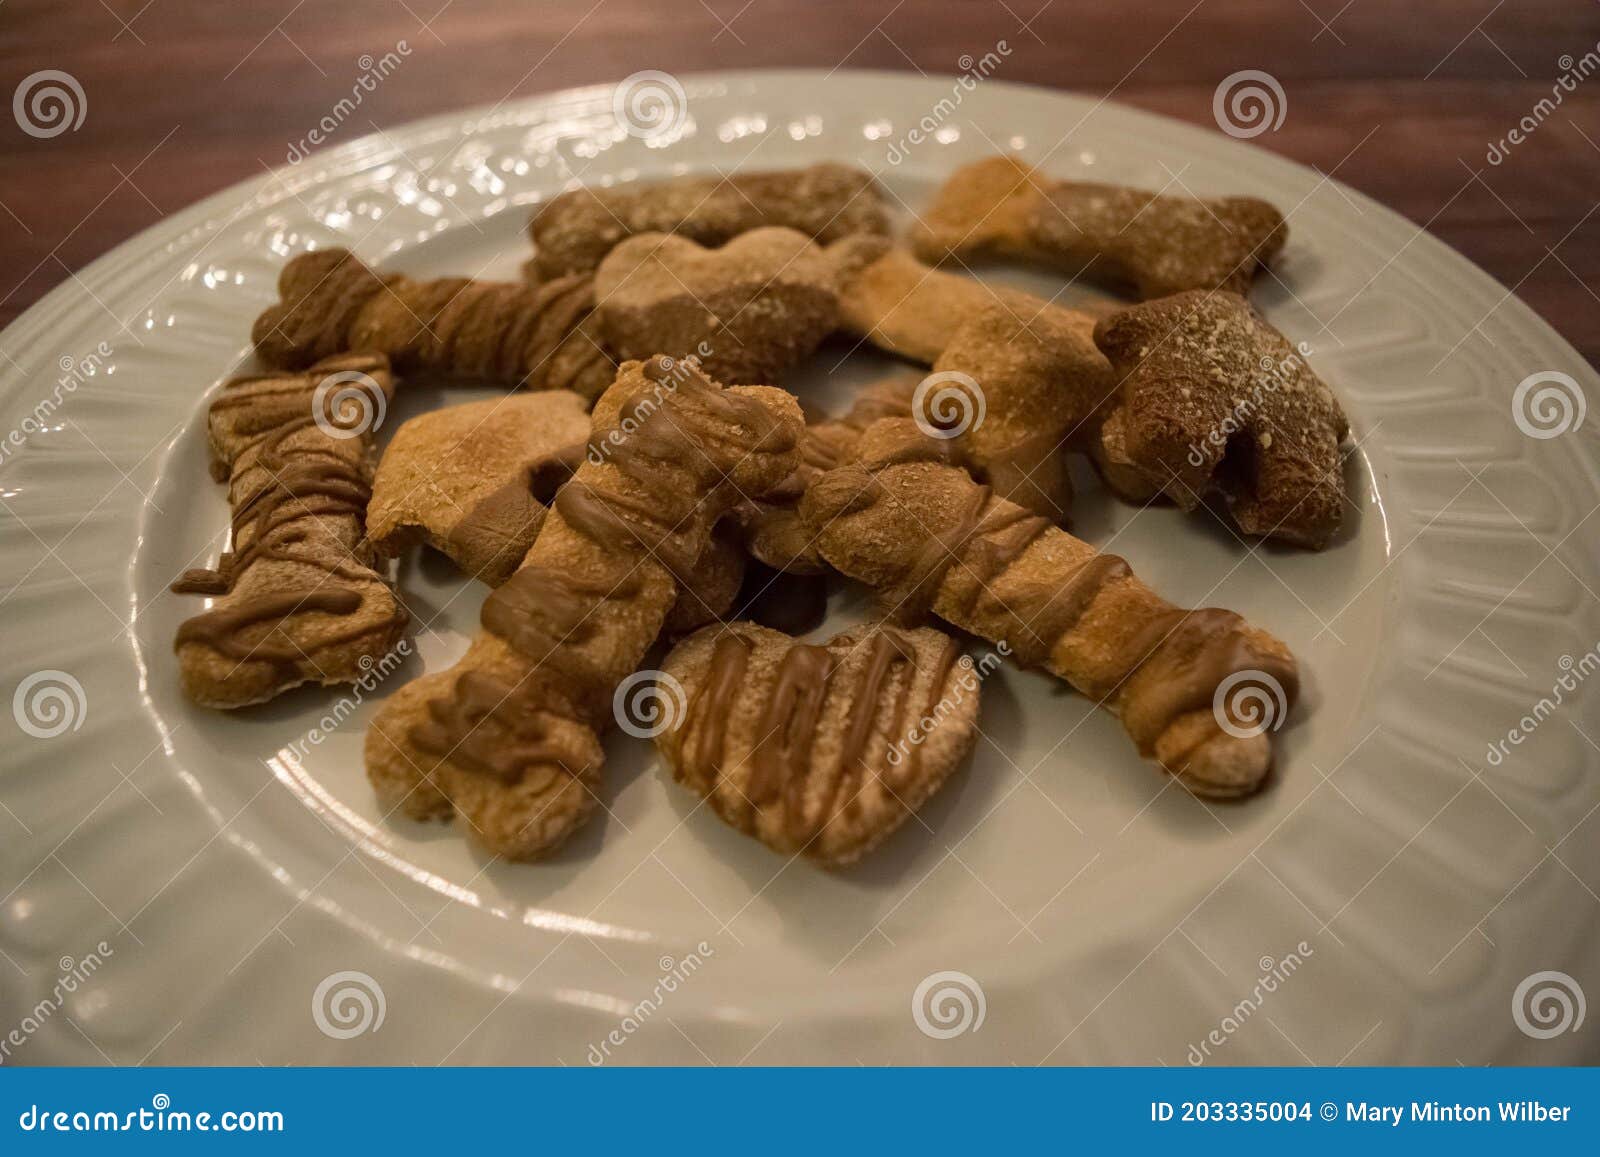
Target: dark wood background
[[187, 96]]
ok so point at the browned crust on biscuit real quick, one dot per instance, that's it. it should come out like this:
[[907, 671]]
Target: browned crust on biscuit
[[541, 337], [905, 307], [771, 527], [508, 737], [928, 536], [574, 232], [749, 310], [296, 598], [1158, 244], [473, 480], [819, 750], [1214, 400], [1032, 386]]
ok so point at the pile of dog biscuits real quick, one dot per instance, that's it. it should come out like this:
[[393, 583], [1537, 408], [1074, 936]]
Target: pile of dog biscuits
[[647, 480]]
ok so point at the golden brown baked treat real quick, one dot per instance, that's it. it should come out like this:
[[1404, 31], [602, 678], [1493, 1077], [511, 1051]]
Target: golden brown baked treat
[[773, 531], [1213, 398], [1108, 449], [1012, 392], [509, 737], [473, 480], [749, 310], [819, 750], [296, 597], [827, 201], [1015, 377], [904, 520], [900, 305], [543, 337], [1000, 207]]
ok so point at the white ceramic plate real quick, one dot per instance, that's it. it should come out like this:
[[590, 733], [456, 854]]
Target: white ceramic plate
[[178, 889]]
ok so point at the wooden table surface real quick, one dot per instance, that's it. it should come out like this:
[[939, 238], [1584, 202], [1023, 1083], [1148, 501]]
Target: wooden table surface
[[1400, 99]]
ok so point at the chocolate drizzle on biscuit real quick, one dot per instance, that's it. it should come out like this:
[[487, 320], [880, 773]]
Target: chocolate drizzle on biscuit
[[789, 723], [730, 655], [666, 526], [546, 614], [1172, 664], [535, 336], [772, 527], [623, 524], [539, 608], [221, 628], [470, 728], [300, 484], [783, 767]]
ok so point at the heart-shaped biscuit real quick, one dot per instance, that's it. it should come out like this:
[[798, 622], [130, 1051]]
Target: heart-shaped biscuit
[[820, 750], [748, 310]]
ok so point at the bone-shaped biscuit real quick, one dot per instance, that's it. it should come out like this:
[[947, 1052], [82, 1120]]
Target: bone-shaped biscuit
[[1016, 378], [473, 480], [297, 599], [748, 310], [827, 201], [1214, 399], [772, 528], [1014, 393], [900, 305], [1159, 244], [541, 337], [509, 737], [903, 520], [819, 750]]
